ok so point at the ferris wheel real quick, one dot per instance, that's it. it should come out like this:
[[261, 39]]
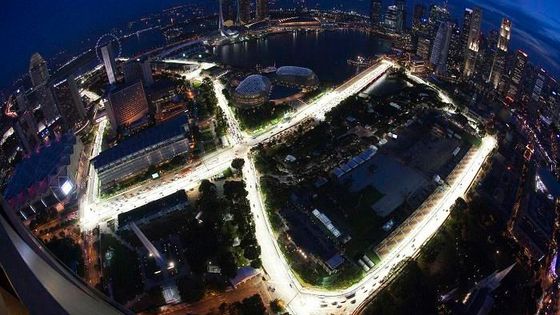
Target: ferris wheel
[[106, 39]]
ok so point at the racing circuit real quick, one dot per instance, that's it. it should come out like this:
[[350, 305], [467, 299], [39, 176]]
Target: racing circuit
[[410, 238]]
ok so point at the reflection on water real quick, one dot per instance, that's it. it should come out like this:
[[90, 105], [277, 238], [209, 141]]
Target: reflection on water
[[325, 52]]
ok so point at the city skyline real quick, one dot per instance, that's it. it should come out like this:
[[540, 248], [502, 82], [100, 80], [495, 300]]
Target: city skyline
[[529, 34]]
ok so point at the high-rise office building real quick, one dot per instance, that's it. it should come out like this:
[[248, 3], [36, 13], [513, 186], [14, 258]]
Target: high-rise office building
[[138, 70], [465, 31], [69, 102], [375, 14], [539, 84], [229, 11], [440, 49], [26, 129], [423, 50], [38, 70], [393, 20], [499, 63], [438, 15], [127, 105], [455, 49], [109, 62], [473, 42], [262, 10], [516, 74], [418, 16], [42, 97], [401, 5], [244, 14]]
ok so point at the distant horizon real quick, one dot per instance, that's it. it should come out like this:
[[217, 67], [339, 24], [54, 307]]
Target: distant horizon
[[51, 28]]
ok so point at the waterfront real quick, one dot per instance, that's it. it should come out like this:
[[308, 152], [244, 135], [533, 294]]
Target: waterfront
[[322, 52]]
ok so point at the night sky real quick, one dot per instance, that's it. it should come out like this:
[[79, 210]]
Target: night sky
[[49, 27]]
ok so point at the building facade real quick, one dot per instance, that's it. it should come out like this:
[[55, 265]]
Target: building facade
[[108, 57], [127, 105], [375, 13], [69, 102], [46, 177], [138, 153], [499, 64], [262, 10], [38, 70], [473, 43], [440, 49]]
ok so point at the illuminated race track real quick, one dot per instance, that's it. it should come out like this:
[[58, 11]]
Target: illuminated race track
[[299, 299]]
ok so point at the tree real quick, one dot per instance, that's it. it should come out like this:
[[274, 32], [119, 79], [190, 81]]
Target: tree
[[277, 306], [252, 252], [227, 264], [238, 164]]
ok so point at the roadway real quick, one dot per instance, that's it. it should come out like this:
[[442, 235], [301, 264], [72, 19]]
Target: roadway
[[299, 299]]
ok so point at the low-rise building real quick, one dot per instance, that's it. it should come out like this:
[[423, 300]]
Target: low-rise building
[[136, 154]]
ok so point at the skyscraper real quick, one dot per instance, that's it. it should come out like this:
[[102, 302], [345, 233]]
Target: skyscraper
[[43, 98], [539, 84], [455, 49], [393, 20], [438, 15], [38, 70], [473, 42], [465, 31], [69, 102], [376, 13], [499, 63], [244, 15], [138, 70], [127, 105], [423, 50], [418, 16], [109, 63], [440, 49], [516, 74], [262, 10], [228, 11], [401, 5]]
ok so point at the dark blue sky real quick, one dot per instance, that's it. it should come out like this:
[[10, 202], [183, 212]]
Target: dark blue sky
[[48, 27]]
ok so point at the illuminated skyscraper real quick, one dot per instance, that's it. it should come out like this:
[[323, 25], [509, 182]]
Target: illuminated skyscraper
[[262, 10], [499, 64], [465, 31], [440, 49], [423, 50], [539, 84], [473, 42], [438, 15], [127, 105], [393, 20], [109, 62], [376, 8], [38, 70], [401, 6], [516, 74]]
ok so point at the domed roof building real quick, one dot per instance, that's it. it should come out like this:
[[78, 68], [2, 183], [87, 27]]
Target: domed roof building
[[253, 91], [297, 77]]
